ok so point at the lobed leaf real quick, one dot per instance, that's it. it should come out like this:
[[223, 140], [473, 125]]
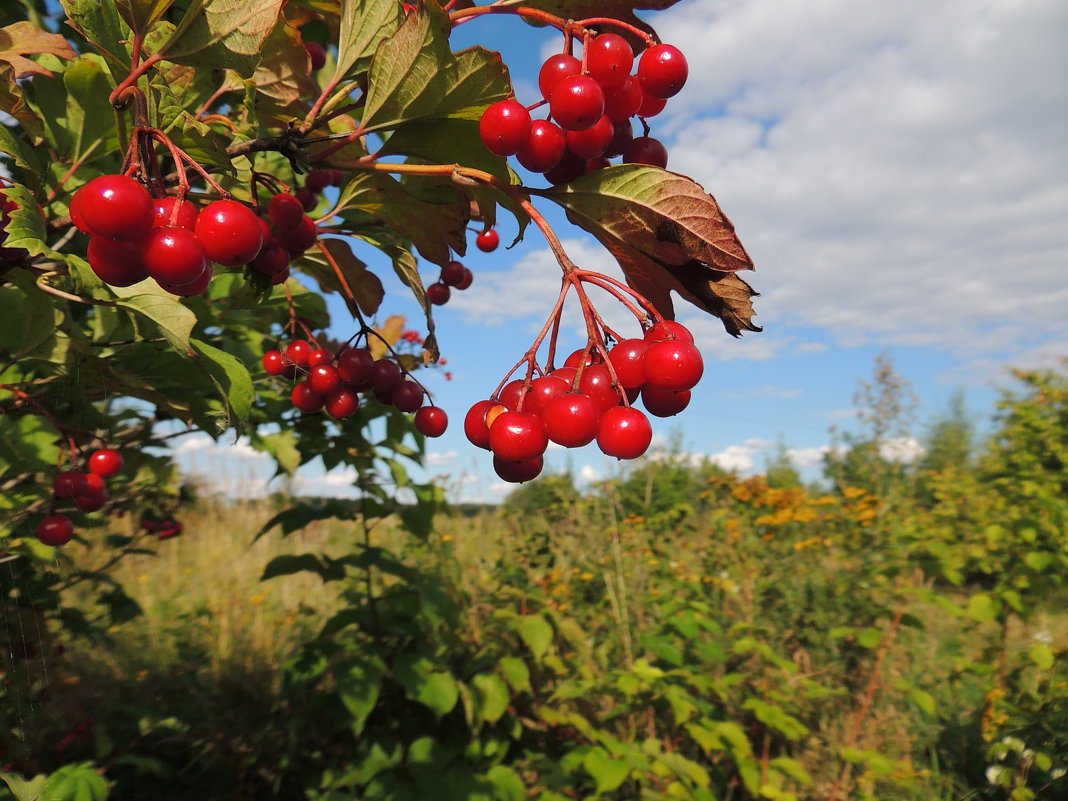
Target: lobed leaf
[[364, 24], [226, 34], [24, 38]]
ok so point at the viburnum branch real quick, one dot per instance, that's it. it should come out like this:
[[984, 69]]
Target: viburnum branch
[[44, 286]]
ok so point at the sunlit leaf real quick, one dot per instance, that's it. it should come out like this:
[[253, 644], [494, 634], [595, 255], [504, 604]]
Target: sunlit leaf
[[24, 38]]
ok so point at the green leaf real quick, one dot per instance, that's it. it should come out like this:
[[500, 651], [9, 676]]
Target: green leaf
[[982, 607], [78, 782], [492, 694], [667, 234], [282, 447], [608, 773], [229, 375], [29, 319], [536, 632], [870, 638], [1038, 561], [413, 74], [1042, 656], [289, 564], [365, 286], [14, 144], [434, 689], [301, 515], [359, 683], [223, 34], [793, 769], [24, 789], [516, 673], [89, 115], [101, 24], [170, 318], [507, 785], [364, 24], [141, 15]]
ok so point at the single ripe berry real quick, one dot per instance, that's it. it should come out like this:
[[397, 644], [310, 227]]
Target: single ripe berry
[[544, 147], [577, 103], [163, 211], [323, 378], [628, 361], [116, 207], [663, 403], [192, 288], [596, 383], [571, 419], [554, 70], [609, 59], [407, 396], [438, 293], [272, 259], [475, 427], [355, 366], [174, 255], [385, 375], [300, 237], [622, 133], [517, 436], [54, 530], [512, 393], [452, 273], [504, 127], [297, 353], [624, 432], [650, 106], [579, 357], [542, 390], [307, 198], [623, 102], [306, 399], [320, 356], [668, 329], [316, 55], [518, 472], [285, 211], [592, 142], [116, 262], [487, 240], [272, 363], [105, 462], [646, 150], [230, 232], [342, 403], [662, 71], [673, 365], [431, 421], [69, 483]]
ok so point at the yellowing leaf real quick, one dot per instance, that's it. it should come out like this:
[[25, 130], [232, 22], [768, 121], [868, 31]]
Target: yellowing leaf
[[228, 34], [24, 38]]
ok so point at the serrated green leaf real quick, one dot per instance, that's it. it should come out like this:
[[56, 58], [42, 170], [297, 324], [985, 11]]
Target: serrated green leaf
[[89, 114], [364, 24], [140, 15], [366, 287], [516, 673], [607, 772], [224, 34], [229, 375], [536, 632], [173, 320], [101, 24]]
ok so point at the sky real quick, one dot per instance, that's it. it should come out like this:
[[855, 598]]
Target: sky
[[898, 173]]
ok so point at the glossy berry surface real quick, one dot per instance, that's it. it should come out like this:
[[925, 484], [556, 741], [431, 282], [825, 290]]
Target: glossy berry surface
[[316, 55], [284, 210], [272, 362], [385, 375], [54, 530], [661, 403], [577, 103], [117, 207], [623, 102], [592, 142], [517, 436], [487, 240], [650, 106], [673, 365], [542, 390], [609, 59], [354, 366], [300, 237], [105, 462], [341, 403], [163, 213], [554, 70], [624, 432], [69, 483], [465, 280], [438, 293], [544, 147], [517, 472], [431, 421], [407, 396], [174, 255], [504, 127], [272, 259], [662, 71], [230, 232], [627, 359], [306, 399], [596, 383], [646, 150], [297, 352], [571, 419], [323, 378], [192, 288], [452, 273], [115, 262], [475, 427], [320, 356], [668, 329]]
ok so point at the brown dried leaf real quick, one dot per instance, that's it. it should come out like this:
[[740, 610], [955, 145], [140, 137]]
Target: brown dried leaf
[[666, 233], [24, 38]]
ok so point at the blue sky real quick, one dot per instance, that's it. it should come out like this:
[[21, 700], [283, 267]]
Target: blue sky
[[899, 174]]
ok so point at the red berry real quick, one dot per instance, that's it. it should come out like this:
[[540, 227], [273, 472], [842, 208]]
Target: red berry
[[609, 59], [565, 374], [316, 55], [597, 164], [299, 238], [518, 472], [280, 278], [174, 255], [504, 127], [487, 240], [74, 208], [116, 262], [517, 436], [568, 169], [571, 419], [163, 210], [305, 398], [512, 393], [55, 530], [622, 133], [554, 70], [542, 390], [355, 366], [168, 530], [230, 232], [337, 177], [297, 352], [475, 428], [592, 142], [668, 329], [307, 198], [544, 147], [320, 356], [580, 356], [628, 361], [650, 106], [465, 282], [452, 273], [69, 483], [673, 365], [385, 375], [318, 180], [407, 396], [272, 259], [438, 293], [117, 207], [577, 103], [646, 150], [105, 462], [323, 378], [190, 289], [431, 421], [662, 71], [596, 383], [662, 403], [272, 363], [624, 432], [91, 502], [623, 102], [285, 211], [342, 403]]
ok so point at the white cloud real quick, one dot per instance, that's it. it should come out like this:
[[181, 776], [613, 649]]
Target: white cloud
[[807, 457], [589, 473], [901, 449], [438, 459], [741, 458]]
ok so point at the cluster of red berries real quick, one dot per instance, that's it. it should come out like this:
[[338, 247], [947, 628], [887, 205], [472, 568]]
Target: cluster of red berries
[[331, 382], [163, 529], [87, 491], [591, 103], [315, 183], [134, 236], [287, 232], [576, 404], [8, 254], [454, 275]]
